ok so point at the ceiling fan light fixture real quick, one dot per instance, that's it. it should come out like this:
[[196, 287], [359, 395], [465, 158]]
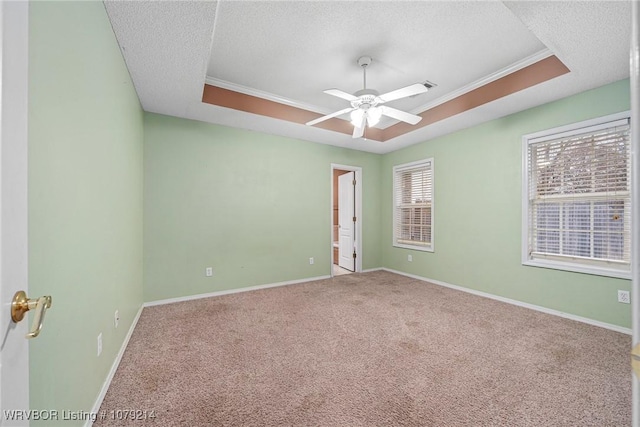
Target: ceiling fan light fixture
[[373, 116], [356, 117]]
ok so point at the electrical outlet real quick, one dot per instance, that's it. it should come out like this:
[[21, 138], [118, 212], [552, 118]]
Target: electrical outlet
[[116, 319], [624, 297], [311, 261], [99, 343], [209, 271], [410, 258]]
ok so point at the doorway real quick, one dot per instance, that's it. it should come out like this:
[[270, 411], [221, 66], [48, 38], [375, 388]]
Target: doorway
[[346, 212]]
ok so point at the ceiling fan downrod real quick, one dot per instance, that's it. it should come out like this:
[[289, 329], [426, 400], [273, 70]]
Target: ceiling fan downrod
[[364, 62]]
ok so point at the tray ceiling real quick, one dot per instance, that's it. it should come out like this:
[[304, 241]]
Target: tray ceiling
[[281, 55]]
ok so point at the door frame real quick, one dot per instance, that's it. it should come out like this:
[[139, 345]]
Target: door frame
[[358, 228], [14, 81], [346, 212], [634, 55]]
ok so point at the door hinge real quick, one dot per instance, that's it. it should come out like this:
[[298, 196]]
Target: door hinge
[[354, 254], [354, 219], [354, 182]]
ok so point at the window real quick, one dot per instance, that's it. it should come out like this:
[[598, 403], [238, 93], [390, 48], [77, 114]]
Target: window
[[577, 207], [413, 205]]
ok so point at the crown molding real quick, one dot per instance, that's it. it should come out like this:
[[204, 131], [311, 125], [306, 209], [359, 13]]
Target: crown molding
[[529, 60], [385, 123], [265, 95]]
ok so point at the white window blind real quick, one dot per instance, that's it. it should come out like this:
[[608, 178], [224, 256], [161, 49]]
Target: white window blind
[[413, 205], [579, 206]]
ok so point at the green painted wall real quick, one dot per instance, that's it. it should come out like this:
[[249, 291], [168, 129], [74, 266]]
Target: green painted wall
[[478, 212], [85, 200], [255, 207]]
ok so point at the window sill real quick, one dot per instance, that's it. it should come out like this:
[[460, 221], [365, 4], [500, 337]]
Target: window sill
[[415, 248], [579, 268]]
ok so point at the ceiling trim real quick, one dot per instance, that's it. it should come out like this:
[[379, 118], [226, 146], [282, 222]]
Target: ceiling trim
[[532, 59], [516, 66], [265, 95], [252, 104], [523, 78]]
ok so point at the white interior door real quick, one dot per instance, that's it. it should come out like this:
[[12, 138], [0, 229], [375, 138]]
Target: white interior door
[[14, 348], [346, 225]]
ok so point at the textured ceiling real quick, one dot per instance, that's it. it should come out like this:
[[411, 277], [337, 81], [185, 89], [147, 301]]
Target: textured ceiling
[[291, 51], [316, 45]]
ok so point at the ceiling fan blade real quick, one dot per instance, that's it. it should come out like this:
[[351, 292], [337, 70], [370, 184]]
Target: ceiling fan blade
[[329, 116], [341, 94], [358, 131], [414, 89], [400, 115]]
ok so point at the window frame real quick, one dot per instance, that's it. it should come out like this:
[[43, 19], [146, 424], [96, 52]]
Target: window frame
[[399, 168], [599, 268]]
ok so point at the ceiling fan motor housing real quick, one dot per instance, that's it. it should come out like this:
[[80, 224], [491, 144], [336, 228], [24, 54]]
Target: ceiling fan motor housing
[[367, 98]]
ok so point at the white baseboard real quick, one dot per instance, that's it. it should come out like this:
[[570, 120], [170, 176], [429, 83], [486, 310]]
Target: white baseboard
[[232, 291], [518, 303], [116, 362], [114, 368]]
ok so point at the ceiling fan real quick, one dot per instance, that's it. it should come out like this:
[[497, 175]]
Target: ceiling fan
[[367, 105]]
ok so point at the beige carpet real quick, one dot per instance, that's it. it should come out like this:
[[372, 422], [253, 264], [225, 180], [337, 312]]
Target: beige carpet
[[374, 349]]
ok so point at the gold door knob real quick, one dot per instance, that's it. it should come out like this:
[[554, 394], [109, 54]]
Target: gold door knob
[[21, 304]]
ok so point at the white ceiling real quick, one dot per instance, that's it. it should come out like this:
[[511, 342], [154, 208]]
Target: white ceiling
[[290, 51]]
